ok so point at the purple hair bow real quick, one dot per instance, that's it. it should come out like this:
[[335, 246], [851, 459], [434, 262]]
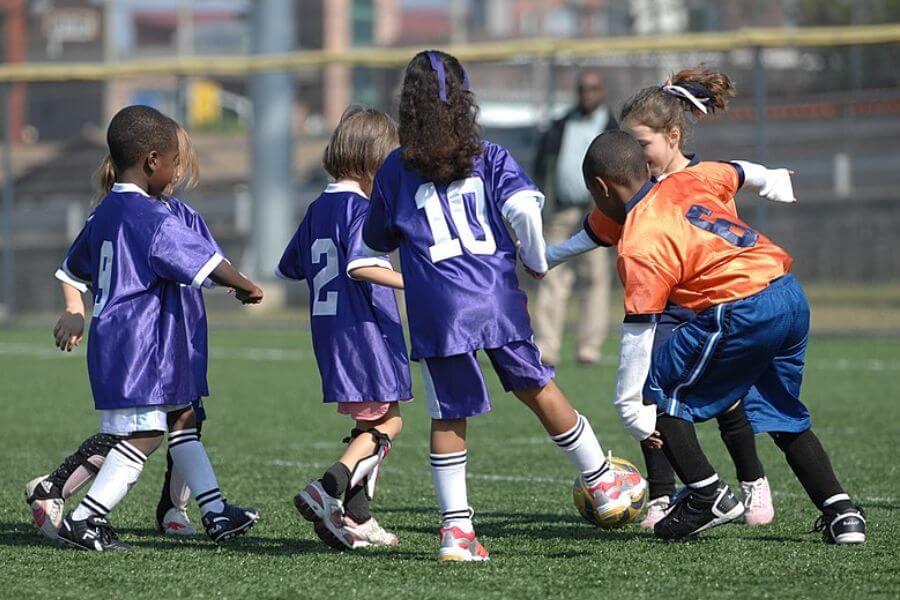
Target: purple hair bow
[[438, 66]]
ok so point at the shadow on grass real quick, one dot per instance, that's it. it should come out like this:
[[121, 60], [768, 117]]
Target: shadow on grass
[[22, 534], [251, 544]]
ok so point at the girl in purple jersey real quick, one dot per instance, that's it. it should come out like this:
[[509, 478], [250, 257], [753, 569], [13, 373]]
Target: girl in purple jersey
[[134, 252], [356, 332], [46, 495], [444, 199]]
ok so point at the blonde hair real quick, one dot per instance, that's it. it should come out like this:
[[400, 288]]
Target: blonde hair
[[362, 140], [187, 176]]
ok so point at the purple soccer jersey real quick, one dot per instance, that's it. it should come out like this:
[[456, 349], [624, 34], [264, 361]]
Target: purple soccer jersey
[[356, 332], [136, 253], [192, 298], [458, 259]]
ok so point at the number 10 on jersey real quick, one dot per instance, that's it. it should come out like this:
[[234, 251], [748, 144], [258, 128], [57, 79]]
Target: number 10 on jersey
[[458, 193]]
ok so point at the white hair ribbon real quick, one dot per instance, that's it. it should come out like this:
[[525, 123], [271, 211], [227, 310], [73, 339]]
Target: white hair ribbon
[[677, 90]]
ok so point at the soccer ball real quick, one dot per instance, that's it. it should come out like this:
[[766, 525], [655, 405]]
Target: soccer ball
[[584, 500], [46, 512]]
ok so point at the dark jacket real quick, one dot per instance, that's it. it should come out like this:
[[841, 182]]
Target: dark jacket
[[548, 153]]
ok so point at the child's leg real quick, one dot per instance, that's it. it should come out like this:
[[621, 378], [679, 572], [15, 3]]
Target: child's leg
[[568, 430], [660, 476], [810, 463], [741, 443], [683, 450], [189, 458], [120, 470], [448, 471], [81, 466]]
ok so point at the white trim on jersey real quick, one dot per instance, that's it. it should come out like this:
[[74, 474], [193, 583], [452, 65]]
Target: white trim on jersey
[[345, 186], [358, 263], [123, 188], [68, 279], [206, 269]]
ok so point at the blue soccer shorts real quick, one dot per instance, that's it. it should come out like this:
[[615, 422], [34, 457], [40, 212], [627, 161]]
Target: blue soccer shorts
[[751, 348], [455, 386]]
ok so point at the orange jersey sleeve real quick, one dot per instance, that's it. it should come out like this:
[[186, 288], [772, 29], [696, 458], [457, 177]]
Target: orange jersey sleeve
[[603, 230]]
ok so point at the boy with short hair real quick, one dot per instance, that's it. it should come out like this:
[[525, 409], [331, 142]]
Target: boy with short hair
[[682, 242]]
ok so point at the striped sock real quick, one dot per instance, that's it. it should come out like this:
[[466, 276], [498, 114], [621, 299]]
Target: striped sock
[[120, 470], [448, 471], [190, 460], [583, 449]]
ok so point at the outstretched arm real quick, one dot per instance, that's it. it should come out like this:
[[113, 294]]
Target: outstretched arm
[[244, 290], [772, 184], [378, 275]]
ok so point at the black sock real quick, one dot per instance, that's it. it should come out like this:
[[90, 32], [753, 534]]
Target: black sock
[[810, 463], [684, 452], [660, 476], [336, 479], [98, 444], [356, 504], [741, 444]]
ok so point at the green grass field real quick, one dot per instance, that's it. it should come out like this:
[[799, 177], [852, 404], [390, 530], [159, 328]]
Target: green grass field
[[268, 434]]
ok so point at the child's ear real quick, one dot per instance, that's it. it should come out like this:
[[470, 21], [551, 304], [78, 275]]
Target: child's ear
[[152, 161], [601, 186]]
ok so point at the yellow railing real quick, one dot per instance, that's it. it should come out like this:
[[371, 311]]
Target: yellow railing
[[480, 52]]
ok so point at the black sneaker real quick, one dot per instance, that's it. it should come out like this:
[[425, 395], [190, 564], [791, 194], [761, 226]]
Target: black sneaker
[[232, 521], [93, 533], [842, 527], [695, 513]]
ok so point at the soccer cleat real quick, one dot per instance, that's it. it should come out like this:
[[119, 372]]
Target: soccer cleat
[[175, 522], [327, 515], [758, 509], [46, 503], [232, 521], [459, 546], [614, 496], [695, 513], [369, 533], [656, 510], [93, 533], [844, 527]]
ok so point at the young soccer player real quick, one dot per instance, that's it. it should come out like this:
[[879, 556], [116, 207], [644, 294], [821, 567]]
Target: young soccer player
[[46, 495], [659, 118], [442, 199], [135, 253], [356, 331], [682, 242]]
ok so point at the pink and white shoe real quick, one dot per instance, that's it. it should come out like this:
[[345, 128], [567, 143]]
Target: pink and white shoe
[[327, 515], [457, 545], [369, 533], [757, 500], [616, 494], [656, 510]]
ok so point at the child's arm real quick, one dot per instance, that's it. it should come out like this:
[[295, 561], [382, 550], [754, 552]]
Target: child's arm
[[69, 329], [378, 275], [523, 213], [772, 184], [245, 290]]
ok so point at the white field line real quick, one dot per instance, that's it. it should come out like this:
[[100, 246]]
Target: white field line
[[285, 355], [536, 479]]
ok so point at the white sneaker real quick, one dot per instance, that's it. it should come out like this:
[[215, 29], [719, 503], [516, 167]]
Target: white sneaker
[[757, 500], [369, 533], [656, 510], [46, 504], [176, 522], [326, 514]]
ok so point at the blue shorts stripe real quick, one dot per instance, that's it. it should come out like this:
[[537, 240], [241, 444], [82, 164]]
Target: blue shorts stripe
[[702, 363]]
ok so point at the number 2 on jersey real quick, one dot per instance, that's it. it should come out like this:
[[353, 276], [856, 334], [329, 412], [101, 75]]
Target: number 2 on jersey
[[327, 307], [459, 194]]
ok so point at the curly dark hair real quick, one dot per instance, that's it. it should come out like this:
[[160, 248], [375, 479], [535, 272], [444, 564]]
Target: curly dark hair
[[439, 140]]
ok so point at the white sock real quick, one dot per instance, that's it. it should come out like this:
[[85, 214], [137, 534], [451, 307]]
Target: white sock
[[582, 447], [122, 467], [189, 458], [449, 474], [179, 492]]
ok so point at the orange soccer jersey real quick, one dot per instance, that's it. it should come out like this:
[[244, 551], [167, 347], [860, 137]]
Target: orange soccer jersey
[[683, 242]]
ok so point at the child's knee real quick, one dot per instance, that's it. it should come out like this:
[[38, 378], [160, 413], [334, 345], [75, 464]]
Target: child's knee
[[182, 419], [147, 442]]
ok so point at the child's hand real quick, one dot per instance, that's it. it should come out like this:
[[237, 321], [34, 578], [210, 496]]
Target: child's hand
[[69, 331], [254, 297], [529, 270], [655, 440]]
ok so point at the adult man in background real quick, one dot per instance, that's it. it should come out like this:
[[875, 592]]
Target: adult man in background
[[557, 172]]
